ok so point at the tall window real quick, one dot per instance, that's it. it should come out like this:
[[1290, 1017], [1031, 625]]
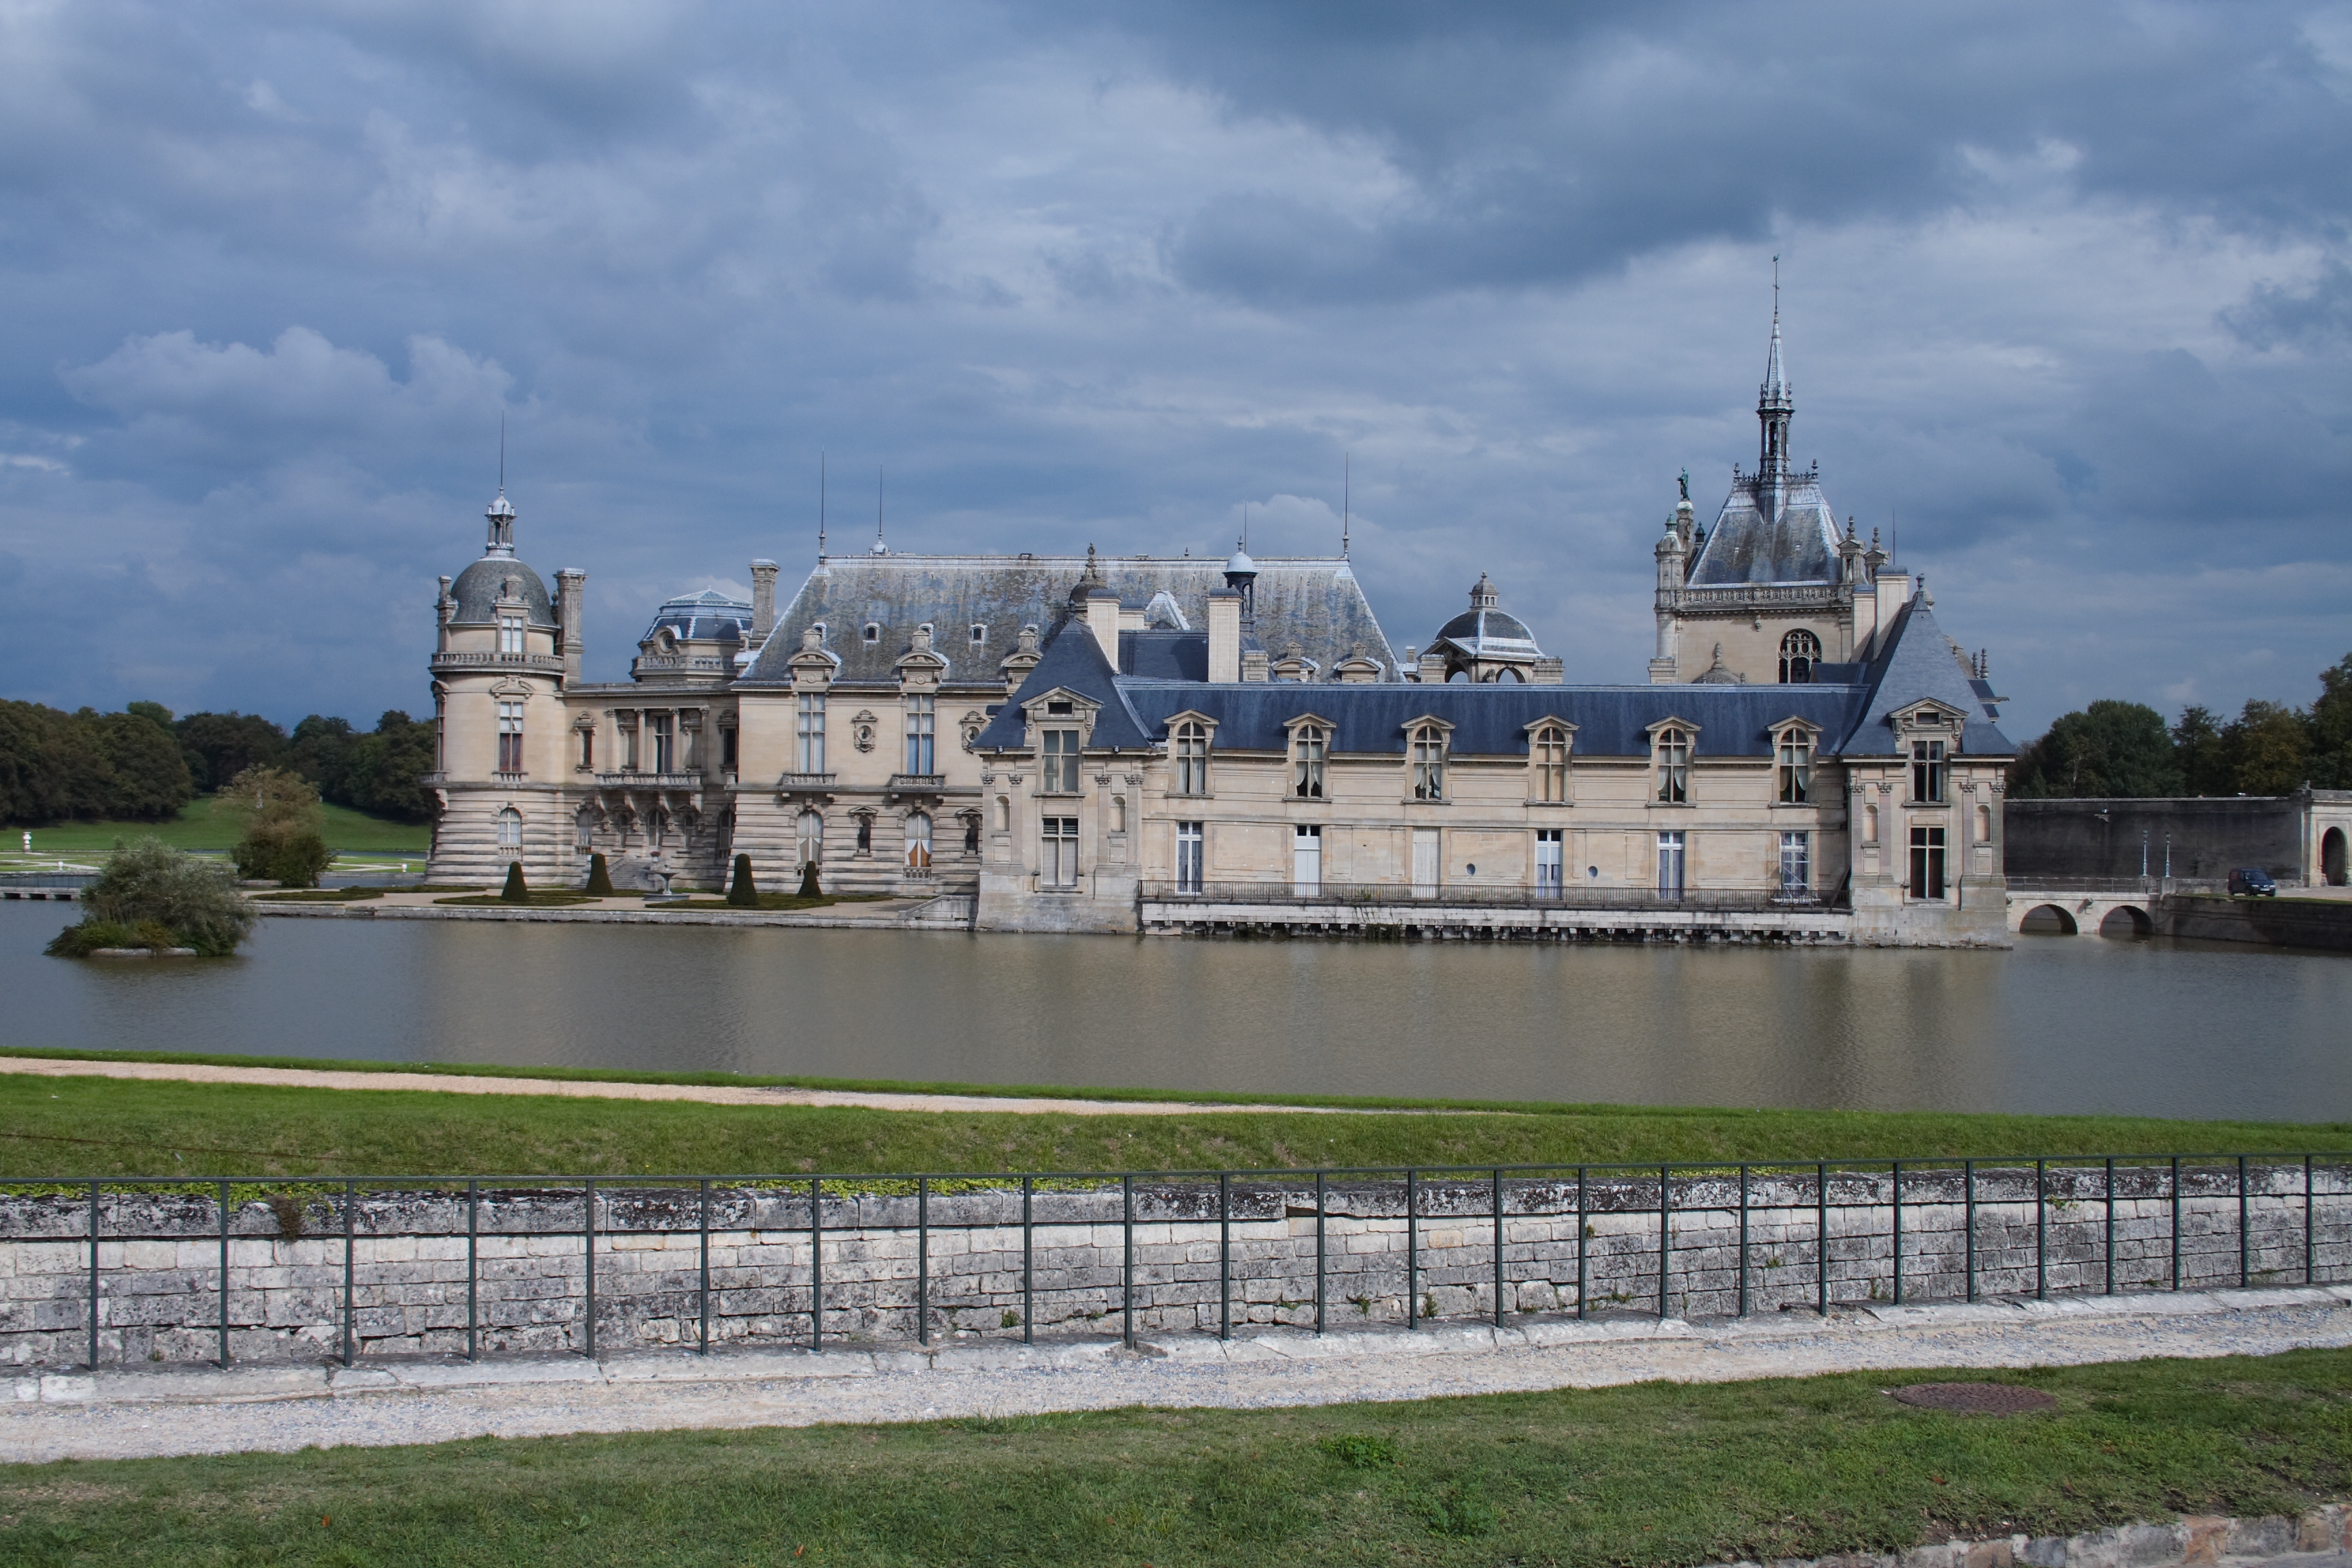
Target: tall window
[[1673, 766], [511, 832], [1927, 772], [1796, 766], [920, 721], [663, 729], [1796, 862], [1308, 744], [1057, 860], [510, 634], [1670, 865], [1428, 748], [729, 749], [1799, 652], [1058, 773], [584, 830], [1550, 863], [588, 749], [1192, 758], [809, 837], [1549, 750], [1188, 845], [918, 841], [509, 737], [1926, 862], [808, 733]]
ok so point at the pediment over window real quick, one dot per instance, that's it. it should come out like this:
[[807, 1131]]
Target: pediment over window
[[1430, 721], [1669, 723], [1928, 716]]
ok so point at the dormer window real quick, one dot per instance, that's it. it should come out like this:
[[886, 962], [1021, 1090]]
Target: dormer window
[[1799, 652], [979, 634], [872, 633], [1673, 748], [1548, 755], [1425, 745], [1190, 749], [1058, 709], [1793, 767], [1309, 746], [511, 631]]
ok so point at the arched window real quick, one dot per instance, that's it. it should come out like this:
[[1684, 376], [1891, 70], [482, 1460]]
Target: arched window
[[1800, 651], [1674, 746], [1426, 747], [1309, 745], [509, 832], [584, 830], [811, 836], [1795, 766], [918, 841], [1548, 753], [1192, 749]]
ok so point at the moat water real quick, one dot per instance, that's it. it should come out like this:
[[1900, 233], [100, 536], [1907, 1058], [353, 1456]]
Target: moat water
[[2057, 1025]]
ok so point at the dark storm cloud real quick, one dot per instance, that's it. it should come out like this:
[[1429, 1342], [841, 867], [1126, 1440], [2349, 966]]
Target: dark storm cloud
[[2067, 292]]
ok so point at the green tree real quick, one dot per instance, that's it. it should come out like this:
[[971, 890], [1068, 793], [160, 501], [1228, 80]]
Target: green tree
[[148, 774], [281, 841], [2109, 749], [150, 886], [2331, 728], [2205, 765], [2270, 745], [219, 746]]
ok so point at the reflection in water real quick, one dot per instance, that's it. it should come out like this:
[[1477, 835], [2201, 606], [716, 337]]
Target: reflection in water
[[2059, 1025]]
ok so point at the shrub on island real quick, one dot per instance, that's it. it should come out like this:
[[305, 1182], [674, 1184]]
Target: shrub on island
[[150, 895]]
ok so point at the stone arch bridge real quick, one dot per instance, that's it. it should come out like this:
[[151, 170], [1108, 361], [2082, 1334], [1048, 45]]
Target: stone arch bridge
[[2090, 906]]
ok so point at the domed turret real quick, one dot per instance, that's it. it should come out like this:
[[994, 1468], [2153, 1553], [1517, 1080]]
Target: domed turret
[[1485, 642], [499, 578]]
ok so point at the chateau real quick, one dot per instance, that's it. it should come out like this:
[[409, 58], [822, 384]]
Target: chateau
[[1151, 743]]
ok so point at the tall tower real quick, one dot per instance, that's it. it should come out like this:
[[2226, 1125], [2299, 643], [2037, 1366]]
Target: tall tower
[[1774, 406]]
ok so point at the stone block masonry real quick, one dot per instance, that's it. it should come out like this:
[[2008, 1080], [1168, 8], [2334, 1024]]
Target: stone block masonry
[[649, 1263]]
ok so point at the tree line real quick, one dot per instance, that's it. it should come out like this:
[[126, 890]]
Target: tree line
[[142, 764], [2125, 750]]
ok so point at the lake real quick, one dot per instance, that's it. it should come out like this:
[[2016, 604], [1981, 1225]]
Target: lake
[[2057, 1025]]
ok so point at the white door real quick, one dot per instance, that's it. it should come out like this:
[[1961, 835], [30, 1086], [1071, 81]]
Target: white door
[[1549, 864], [1306, 862], [1424, 862], [1670, 865]]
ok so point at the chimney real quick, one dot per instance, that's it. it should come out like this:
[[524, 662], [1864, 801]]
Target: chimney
[[1548, 671], [1224, 637], [1102, 619], [572, 599], [763, 600], [1432, 668]]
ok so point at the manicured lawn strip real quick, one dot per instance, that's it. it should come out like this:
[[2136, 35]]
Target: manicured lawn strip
[[52, 1127], [1653, 1474], [206, 823]]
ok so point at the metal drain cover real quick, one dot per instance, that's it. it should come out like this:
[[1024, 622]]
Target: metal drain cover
[[1975, 1398]]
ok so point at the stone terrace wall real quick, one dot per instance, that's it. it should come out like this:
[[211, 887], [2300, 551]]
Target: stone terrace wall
[[159, 1276]]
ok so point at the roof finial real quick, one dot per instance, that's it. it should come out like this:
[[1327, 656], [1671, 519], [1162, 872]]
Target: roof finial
[[879, 548], [502, 451], [820, 506], [1347, 491], [502, 512]]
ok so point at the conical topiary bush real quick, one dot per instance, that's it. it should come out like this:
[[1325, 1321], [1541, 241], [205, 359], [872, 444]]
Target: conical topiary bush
[[515, 891], [809, 889], [743, 892], [600, 877]]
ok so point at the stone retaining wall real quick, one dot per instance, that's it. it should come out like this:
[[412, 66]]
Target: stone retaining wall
[[414, 1265]]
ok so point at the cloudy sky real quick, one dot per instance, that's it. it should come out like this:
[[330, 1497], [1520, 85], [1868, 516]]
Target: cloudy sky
[[2068, 291]]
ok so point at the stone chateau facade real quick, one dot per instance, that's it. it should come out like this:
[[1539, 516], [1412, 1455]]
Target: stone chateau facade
[[1153, 742]]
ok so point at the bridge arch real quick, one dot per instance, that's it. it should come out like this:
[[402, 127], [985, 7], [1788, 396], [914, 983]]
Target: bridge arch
[[2048, 920], [2126, 919]]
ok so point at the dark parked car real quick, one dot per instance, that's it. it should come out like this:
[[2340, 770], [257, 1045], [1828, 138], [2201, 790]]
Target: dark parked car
[[2254, 882]]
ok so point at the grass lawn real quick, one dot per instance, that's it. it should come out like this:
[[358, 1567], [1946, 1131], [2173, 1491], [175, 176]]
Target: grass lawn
[[107, 1127], [206, 823], [1653, 1474]]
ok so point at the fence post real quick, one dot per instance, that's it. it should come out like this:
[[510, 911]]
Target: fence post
[[94, 1276], [922, 1260], [2176, 1222], [1582, 1225], [1028, 1256], [473, 1269], [816, 1265], [1821, 1239], [1497, 1192], [351, 1197], [1127, 1261], [1743, 1241], [2111, 1224], [1894, 1194], [1969, 1205], [588, 1244], [702, 1305], [1319, 1252], [2306, 1219], [2244, 1278], [1412, 1248], [1665, 1255], [224, 1274], [2041, 1230]]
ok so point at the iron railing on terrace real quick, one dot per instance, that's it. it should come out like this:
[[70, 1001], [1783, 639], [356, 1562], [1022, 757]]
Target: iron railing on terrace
[[2300, 1202], [2149, 886], [1573, 896]]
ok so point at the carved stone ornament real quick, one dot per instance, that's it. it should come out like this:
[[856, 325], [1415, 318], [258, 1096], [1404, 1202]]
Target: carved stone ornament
[[861, 729]]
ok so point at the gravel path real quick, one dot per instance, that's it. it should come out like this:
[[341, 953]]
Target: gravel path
[[707, 1094], [195, 1411]]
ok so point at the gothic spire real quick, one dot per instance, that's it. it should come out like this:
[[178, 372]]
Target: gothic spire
[[1774, 402]]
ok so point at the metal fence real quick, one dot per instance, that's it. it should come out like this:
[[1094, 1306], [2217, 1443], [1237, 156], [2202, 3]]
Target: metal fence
[[2292, 1193], [1405, 896]]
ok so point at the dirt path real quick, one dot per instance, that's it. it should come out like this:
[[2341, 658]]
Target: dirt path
[[706, 1094]]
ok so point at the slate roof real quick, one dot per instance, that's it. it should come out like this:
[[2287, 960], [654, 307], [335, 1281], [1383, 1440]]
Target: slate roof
[[478, 588], [1314, 602], [1916, 661], [1773, 529]]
